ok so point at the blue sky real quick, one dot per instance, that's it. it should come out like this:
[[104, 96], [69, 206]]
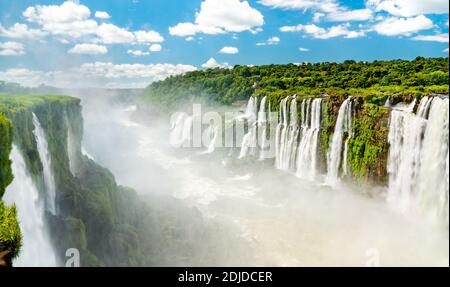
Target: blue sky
[[130, 43]]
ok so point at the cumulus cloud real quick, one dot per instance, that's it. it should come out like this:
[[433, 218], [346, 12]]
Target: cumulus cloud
[[155, 48], [88, 49], [98, 74], [20, 31], [102, 15], [409, 8], [325, 33], [143, 37], [229, 50], [212, 63], [322, 5], [442, 38], [303, 49], [11, 49], [74, 20], [270, 41], [138, 53], [445, 50], [403, 26], [330, 9], [218, 17], [351, 15]]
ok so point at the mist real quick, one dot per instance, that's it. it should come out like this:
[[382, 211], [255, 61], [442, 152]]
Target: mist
[[260, 216]]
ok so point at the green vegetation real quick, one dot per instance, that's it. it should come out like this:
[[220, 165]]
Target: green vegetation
[[368, 148], [109, 224], [10, 236], [5, 148], [225, 86]]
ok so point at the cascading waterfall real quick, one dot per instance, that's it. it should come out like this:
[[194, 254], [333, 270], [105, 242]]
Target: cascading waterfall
[[249, 141], [307, 150], [36, 250], [181, 130], [418, 159], [44, 155], [212, 134], [74, 160], [343, 124], [287, 142], [433, 177], [262, 127]]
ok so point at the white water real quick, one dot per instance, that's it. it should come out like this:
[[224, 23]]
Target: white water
[[211, 133], [36, 250], [307, 150], [418, 160], [249, 141], [286, 221], [44, 155], [262, 127], [287, 135], [181, 133], [343, 124]]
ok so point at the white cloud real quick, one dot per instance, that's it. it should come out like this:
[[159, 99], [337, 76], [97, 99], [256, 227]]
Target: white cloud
[[321, 5], [325, 33], [409, 8], [67, 19], [138, 53], [445, 50], [88, 49], [74, 20], [111, 34], [212, 63], [303, 49], [102, 15], [19, 31], [11, 49], [271, 41], [190, 38], [317, 16], [218, 17], [330, 9], [403, 26], [155, 48], [148, 37], [229, 50], [442, 38], [98, 74], [351, 15]]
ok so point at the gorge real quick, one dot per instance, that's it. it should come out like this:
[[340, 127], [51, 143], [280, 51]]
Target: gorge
[[352, 170]]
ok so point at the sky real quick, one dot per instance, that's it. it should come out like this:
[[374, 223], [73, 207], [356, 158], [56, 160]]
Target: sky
[[131, 43]]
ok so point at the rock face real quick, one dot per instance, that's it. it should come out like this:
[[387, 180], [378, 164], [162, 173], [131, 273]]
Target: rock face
[[5, 258]]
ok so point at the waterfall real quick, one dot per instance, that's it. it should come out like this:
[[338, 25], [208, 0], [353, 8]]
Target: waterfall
[[343, 124], [211, 133], [249, 141], [72, 152], [181, 130], [262, 125], [36, 250], [287, 134], [418, 159], [44, 155], [307, 150], [433, 177]]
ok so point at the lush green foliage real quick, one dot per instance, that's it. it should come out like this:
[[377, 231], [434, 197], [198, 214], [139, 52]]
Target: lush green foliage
[[5, 148], [10, 236], [226, 86]]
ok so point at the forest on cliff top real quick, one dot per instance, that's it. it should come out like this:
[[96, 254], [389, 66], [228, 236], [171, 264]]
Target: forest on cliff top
[[226, 86]]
